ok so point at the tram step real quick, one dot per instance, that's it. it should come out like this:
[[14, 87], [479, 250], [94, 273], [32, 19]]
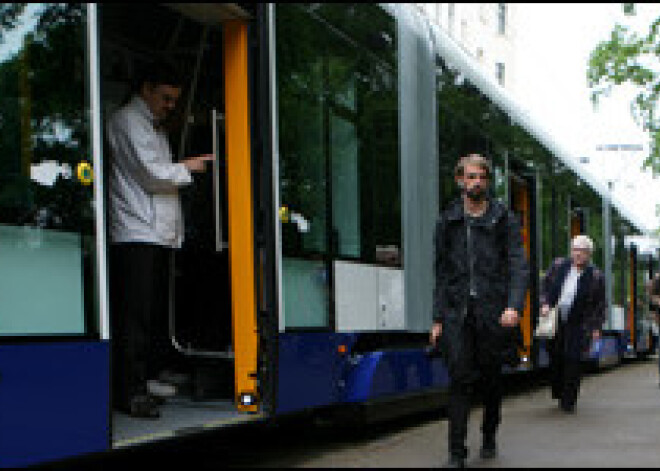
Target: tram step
[[213, 380]]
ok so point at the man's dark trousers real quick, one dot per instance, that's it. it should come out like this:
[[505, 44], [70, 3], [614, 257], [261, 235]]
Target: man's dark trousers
[[565, 371], [139, 281], [481, 372]]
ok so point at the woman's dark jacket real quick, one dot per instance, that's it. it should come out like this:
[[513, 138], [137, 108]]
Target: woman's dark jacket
[[588, 310], [495, 269]]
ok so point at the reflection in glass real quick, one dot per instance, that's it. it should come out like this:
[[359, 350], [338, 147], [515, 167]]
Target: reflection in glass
[[46, 214], [469, 123], [339, 145], [345, 186]]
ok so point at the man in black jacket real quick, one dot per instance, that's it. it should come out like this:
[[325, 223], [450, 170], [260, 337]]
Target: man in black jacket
[[481, 280]]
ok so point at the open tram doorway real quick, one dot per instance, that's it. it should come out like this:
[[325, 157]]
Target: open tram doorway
[[211, 310], [523, 202]]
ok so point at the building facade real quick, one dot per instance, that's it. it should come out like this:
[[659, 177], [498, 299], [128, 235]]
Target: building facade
[[485, 30]]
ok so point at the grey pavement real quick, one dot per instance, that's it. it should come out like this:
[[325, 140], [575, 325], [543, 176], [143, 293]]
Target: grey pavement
[[617, 424]]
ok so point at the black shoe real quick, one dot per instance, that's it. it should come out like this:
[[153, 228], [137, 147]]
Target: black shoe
[[455, 462], [568, 408], [488, 448]]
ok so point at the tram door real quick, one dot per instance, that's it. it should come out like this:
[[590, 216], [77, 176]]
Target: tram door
[[212, 311], [522, 200], [200, 280]]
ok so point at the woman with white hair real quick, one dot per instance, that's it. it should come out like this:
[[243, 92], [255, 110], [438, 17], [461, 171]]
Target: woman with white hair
[[577, 289]]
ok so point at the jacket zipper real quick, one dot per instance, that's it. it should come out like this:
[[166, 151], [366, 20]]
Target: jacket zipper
[[473, 291]]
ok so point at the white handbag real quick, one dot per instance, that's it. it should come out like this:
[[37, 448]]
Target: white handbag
[[547, 326]]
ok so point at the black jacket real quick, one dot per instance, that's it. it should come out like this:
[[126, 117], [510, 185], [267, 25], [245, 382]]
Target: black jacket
[[496, 268], [588, 310]]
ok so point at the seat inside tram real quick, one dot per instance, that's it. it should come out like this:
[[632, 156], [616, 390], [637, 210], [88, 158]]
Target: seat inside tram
[[199, 317]]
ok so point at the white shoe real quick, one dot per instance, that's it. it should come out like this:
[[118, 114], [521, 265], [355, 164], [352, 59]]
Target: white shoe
[[160, 389]]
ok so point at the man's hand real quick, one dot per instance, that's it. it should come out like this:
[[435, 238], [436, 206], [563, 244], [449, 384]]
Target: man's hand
[[436, 331], [545, 310], [197, 163], [509, 318]]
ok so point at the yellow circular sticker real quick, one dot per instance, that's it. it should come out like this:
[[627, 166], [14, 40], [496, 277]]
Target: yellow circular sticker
[[85, 173], [284, 214]]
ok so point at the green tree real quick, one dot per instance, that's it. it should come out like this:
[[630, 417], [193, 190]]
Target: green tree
[[628, 57], [43, 115]]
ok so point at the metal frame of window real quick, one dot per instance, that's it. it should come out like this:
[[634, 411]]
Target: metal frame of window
[[97, 153], [275, 147]]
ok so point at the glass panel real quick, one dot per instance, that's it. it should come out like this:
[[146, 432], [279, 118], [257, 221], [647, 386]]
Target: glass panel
[[339, 147], [303, 182], [345, 187], [595, 229], [563, 183], [46, 199], [469, 123], [548, 223], [305, 293]]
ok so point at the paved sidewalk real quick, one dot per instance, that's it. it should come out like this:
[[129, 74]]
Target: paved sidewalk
[[617, 424]]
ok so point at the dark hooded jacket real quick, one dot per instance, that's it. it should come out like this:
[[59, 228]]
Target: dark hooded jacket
[[588, 310], [494, 267]]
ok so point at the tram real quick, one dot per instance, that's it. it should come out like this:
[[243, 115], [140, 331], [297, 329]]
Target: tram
[[305, 280]]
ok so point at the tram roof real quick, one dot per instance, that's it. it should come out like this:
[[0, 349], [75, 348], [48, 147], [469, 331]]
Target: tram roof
[[445, 46]]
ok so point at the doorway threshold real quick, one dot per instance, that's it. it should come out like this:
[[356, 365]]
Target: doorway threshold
[[178, 417]]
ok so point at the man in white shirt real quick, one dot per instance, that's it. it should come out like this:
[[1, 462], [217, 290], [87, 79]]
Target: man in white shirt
[[577, 288], [146, 224]]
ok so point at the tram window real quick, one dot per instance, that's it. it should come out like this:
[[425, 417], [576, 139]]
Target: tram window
[[548, 219], [46, 211], [339, 147], [468, 123]]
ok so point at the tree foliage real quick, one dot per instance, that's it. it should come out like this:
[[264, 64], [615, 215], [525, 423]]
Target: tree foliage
[[628, 57], [43, 116]]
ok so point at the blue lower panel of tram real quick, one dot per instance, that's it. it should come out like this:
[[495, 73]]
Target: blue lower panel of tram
[[389, 373], [309, 370], [313, 372], [53, 401]]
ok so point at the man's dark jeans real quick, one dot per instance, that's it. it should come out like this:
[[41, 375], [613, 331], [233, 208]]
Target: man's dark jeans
[[139, 287], [565, 372], [486, 378]]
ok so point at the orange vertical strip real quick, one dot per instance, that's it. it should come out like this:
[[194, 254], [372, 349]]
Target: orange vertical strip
[[523, 207], [575, 225], [240, 208], [527, 315]]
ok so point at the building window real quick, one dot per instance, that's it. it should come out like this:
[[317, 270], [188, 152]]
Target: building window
[[451, 12], [501, 18], [499, 72]]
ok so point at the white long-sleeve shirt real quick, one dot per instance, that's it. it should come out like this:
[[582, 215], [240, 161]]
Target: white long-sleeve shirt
[[144, 181], [568, 291]]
